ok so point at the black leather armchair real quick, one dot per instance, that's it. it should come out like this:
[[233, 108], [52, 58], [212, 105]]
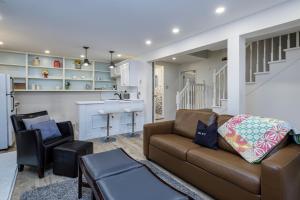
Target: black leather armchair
[[31, 149]]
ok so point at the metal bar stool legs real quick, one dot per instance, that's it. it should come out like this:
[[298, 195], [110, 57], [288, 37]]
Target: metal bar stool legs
[[108, 138], [132, 134]]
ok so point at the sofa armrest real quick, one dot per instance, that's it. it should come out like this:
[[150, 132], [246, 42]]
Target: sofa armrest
[[280, 178], [66, 129], [165, 127], [30, 147]]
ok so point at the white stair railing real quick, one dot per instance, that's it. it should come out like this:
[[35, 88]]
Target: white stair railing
[[192, 96], [220, 85], [258, 55], [261, 52]]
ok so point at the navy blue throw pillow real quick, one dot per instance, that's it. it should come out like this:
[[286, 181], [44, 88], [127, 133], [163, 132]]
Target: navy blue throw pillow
[[207, 135]]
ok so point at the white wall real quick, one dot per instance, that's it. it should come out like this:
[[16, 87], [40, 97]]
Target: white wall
[[204, 71], [171, 86], [279, 97]]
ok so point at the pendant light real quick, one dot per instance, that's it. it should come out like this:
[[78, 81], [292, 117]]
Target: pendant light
[[86, 61], [112, 64]]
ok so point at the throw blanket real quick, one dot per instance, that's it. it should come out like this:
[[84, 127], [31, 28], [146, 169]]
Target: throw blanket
[[254, 137]]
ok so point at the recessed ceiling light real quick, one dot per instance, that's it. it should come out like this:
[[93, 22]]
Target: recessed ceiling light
[[1, 43], [119, 55], [173, 58], [148, 42], [220, 10], [47, 51], [82, 56], [175, 30]]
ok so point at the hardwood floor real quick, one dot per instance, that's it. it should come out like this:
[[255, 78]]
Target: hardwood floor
[[28, 179]]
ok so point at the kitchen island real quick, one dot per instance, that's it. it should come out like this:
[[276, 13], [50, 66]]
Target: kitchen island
[[91, 124]]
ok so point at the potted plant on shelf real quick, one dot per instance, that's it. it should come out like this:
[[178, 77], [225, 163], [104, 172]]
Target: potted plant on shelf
[[67, 85], [45, 73], [77, 64]]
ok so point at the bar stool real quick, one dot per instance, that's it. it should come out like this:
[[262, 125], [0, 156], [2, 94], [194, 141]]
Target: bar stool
[[133, 110], [108, 113]]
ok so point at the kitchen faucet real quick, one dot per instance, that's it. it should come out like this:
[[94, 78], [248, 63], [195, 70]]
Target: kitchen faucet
[[119, 95]]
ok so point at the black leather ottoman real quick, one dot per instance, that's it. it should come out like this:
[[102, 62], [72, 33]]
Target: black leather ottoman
[[66, 156], [115, 175]]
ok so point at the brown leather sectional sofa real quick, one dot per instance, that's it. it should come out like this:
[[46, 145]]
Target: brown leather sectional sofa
[[221, 173]]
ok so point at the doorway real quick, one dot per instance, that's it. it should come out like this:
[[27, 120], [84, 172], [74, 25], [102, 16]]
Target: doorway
[[158, 92]]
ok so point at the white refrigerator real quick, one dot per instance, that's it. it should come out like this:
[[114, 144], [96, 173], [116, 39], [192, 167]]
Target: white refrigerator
[[7, 108]]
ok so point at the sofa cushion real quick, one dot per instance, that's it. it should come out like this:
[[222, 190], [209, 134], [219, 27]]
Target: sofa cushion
[[186, 121], [227, 166], [172, 144]]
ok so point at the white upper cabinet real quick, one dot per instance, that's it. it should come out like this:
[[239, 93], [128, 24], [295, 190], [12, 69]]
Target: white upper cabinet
[[125, 76], [128, 73]]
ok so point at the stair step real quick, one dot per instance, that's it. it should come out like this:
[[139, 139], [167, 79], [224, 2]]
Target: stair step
[[250, 83], [260, 73], [276, 61], [291, 49]]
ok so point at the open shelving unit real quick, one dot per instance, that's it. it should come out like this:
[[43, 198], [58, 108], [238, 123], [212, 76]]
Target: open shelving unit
[[27, 73]]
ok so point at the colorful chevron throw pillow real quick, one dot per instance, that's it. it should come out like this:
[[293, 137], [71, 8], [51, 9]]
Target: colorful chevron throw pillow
[[254, 137]]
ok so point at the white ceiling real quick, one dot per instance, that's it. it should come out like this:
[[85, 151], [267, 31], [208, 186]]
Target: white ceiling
[[64, 26]]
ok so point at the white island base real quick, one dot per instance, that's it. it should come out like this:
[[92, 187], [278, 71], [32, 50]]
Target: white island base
[[94, 125]]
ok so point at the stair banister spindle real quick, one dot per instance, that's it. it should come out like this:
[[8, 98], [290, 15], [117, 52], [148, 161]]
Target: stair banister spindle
[[193, 97], [224, 83], [289, 41], [265, 55], [280, 53], [219, 97], [215, 88], [257, 56], [226, 73], [297, 39], [272, 49], [250, 63]]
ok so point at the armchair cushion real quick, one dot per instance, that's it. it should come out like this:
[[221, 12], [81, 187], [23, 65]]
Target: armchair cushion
[[17, 120], [48, 129], [28, 122]]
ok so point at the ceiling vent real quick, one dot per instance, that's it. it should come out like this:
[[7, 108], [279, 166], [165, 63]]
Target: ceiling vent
[[201, 54]]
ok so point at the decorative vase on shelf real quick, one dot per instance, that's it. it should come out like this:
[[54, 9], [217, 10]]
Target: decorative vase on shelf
[[88, 86], [67, 85], [77, 64], [36, 61], [45, 73], [56, 64]]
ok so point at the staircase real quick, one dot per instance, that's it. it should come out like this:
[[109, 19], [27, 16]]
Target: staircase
[[220, 90], [192, 96], [265, 59]]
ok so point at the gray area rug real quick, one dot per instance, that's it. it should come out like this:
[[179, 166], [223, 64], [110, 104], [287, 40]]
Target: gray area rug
[[67, 190]]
